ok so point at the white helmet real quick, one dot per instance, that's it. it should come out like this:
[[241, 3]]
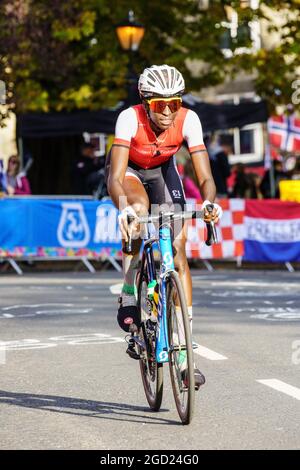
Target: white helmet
[[161, 80]]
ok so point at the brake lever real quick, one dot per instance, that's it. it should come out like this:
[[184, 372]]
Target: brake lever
[[212, 236], [128, 245]]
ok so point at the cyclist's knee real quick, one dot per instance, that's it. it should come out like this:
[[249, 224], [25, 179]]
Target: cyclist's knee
[[140, 207], [135, 244], [179, 248], [180, 259]]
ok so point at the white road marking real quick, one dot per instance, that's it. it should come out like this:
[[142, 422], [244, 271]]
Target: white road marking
[[208, 278], [63, 311], [209, 354], [203, 351], [12, 307], [276, 314], [67, 340], [59, 310], [2, 355], [242, 293], [258, 283], [282, 387], [116, 289]]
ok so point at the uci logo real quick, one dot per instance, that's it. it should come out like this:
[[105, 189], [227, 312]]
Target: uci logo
[[73, 229]]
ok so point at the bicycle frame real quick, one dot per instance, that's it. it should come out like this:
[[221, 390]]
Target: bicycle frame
[[167, 265]]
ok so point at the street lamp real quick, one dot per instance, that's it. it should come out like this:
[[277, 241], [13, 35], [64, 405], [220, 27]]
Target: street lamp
[[130, 33]]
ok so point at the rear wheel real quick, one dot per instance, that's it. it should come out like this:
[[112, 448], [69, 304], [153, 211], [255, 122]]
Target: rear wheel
[[181, 360], [151, 371]]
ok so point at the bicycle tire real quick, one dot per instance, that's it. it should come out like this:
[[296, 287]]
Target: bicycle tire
[[184, 393], [151, 371]]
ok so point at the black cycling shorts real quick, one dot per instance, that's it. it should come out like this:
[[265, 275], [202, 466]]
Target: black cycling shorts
[[162, 183]]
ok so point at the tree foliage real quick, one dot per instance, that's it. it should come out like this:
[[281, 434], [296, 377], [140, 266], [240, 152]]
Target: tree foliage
[[57, 55]]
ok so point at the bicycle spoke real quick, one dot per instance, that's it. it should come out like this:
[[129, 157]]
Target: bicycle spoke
[[181, 352], [151, 371]]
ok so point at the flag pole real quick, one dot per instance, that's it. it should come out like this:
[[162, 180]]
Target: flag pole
[[272, 179], [269, 165]]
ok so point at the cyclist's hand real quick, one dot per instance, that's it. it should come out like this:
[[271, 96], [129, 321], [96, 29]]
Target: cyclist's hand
[[123, 220], [213, 216]]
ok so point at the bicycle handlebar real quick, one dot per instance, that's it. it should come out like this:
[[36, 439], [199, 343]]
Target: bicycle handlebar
[[171, 216]]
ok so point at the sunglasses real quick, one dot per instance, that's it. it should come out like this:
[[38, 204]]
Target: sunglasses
[[158, 105]]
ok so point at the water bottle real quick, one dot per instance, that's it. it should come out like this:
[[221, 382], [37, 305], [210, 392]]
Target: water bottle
[[153, 295]]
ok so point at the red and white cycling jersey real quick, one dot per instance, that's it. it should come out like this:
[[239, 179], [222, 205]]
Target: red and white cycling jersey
[[148, 150]]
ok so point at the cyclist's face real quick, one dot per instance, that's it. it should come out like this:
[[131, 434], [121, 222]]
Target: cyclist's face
[[163, 120]]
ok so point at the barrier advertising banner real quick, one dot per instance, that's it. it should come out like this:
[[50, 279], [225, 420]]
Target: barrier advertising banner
[[272, 231], [45, 227], [257, 230], [230, 231]]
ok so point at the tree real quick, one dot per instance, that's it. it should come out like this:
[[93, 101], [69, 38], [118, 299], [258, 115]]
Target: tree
[[65, 55]]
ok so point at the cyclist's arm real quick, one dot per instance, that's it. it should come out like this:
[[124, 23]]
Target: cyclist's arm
[[118, 167], [192, 133], [126, 128], [204, 176]]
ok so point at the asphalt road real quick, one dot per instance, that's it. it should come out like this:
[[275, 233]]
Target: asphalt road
[[66, 382]]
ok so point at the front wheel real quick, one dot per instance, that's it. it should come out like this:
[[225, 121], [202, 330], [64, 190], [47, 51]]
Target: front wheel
[[151, 371], [181, 360]]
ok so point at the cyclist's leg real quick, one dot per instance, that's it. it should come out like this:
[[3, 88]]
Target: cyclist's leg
[[182, 266], [168, 189], [138, 199], [165, 187]]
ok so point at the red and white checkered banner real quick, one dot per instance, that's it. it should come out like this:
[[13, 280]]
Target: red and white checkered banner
[[230, 231]]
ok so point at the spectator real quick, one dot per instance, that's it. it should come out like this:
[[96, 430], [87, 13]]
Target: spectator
[[16, 182], [2, 178], [279, 175], [89, 173], [188, 180], [246, 185], [241, 183], [218, 154], [295, 174], [255, 182]]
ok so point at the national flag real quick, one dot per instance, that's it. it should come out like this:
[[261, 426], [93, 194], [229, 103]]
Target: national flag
[[272, 231], [284, 133]]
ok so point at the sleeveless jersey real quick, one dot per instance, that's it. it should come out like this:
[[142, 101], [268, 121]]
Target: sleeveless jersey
[[148, 150]]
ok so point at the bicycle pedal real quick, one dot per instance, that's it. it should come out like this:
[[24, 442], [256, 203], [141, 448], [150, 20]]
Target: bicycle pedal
[[132, 352]]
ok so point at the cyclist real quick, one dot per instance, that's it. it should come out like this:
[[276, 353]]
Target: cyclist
[[142, 172]]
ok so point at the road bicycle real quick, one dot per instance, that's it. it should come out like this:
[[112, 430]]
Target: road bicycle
[[163, 334]]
